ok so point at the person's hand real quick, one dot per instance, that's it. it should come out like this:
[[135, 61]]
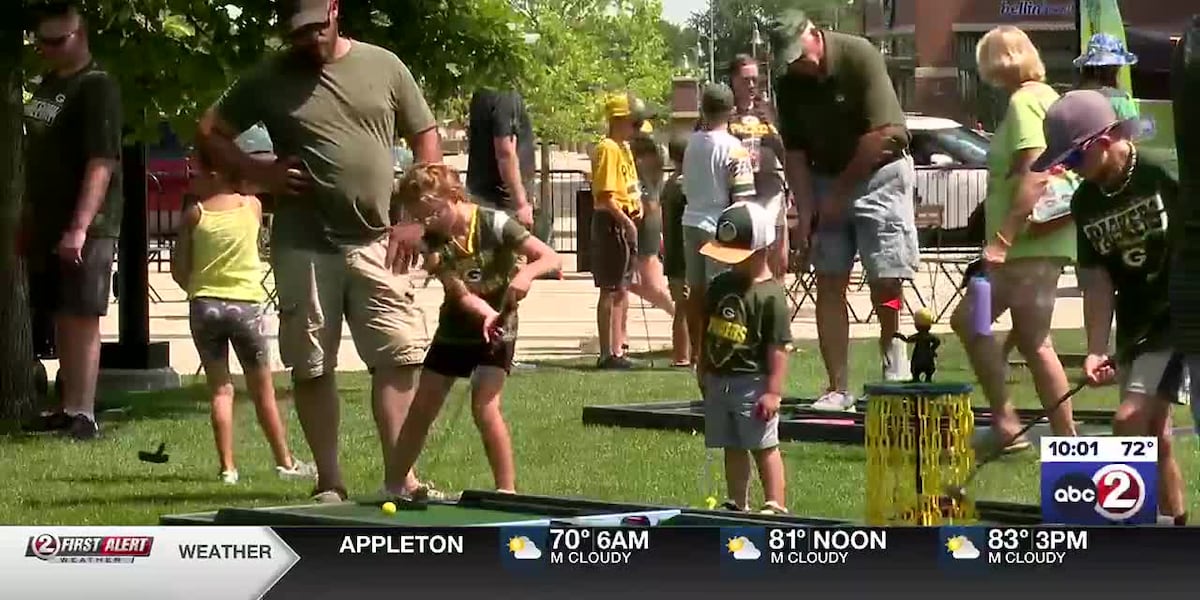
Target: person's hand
[[492, 329], [767, 406], [286, 176], [518, 288], [404, 246], [525, 215], [70, 247], [994, 253], [1099, 370]]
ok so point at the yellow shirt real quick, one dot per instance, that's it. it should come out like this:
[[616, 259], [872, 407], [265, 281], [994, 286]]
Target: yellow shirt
[[613, 171], [225, 261]]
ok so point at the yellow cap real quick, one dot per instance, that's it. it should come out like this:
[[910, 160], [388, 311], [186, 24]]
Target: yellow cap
[[618, 105]]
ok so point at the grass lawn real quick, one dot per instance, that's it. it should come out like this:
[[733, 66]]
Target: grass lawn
[[58, 482]]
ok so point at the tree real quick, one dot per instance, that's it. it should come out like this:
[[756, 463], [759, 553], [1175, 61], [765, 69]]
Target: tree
[[680, 43]]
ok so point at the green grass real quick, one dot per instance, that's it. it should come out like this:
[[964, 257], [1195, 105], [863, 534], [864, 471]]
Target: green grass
[[50, 481]]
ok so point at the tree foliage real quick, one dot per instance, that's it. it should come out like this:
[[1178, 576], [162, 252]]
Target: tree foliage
[[582, 49]]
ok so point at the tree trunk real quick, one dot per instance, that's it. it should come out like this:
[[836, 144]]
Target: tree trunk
[[17, 391]]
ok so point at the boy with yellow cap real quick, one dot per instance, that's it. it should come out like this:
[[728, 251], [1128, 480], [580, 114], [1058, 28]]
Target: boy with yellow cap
[[616, 193]]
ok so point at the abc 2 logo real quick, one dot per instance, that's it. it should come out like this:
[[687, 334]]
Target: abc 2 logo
[[1113, 494]]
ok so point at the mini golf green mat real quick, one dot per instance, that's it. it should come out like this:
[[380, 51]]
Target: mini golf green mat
[[370, 514], [201, 518]]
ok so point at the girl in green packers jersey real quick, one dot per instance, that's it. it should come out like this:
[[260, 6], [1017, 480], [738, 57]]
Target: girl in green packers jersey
[[476, 252]]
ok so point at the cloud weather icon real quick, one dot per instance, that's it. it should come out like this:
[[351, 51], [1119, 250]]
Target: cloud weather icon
[[743, 549], [523, 548], [961, 548]]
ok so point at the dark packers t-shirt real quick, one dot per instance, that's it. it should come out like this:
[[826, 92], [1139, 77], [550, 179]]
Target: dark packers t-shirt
[[1129, 236], [756, 129], [745, 319], [69, 121], [486, 263]]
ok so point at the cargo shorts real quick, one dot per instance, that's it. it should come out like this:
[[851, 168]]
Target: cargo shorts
[[729, 420], [318, 289], [879, 226]]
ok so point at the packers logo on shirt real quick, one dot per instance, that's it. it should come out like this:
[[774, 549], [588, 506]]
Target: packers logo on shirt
[[473, 275], [727, 330]]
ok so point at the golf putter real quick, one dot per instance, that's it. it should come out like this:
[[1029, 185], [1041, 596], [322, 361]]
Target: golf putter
[[958, 492], [158, 457]]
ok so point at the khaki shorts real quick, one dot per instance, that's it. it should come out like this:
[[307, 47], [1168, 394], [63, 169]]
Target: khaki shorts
[[316, 290]]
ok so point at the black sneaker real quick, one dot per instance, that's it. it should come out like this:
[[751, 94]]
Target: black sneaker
[[54, 421], [83, 428]]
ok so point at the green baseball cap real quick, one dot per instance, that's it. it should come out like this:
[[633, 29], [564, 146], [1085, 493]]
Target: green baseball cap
[[784, 35], [744, 228]]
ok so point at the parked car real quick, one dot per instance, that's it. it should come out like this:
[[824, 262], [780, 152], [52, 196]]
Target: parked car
[[951, 164]]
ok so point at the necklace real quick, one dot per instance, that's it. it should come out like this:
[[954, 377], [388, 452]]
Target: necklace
[[1127, 176]]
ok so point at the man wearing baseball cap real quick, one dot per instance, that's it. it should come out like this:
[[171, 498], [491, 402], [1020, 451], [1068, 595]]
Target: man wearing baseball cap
[[334, 108], [617, 206], [743, 357], [1125, 215], [847, 163]]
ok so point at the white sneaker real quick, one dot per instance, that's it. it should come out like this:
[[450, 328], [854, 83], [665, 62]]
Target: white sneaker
[[835, 402], [895, 362], [229, 477], [299, 470]]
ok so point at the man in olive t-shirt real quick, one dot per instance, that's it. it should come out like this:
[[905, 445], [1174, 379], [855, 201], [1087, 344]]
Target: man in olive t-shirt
[[72, 212], [847, 164], [333, 108]]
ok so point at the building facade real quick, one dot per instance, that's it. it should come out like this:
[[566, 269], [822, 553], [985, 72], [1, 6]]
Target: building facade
[[931, 46]]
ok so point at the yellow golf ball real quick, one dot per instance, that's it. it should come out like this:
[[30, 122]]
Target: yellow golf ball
[[389, 507]]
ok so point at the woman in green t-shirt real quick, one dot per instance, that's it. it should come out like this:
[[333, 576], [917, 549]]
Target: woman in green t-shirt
[[1099, 67], [1023, 268]]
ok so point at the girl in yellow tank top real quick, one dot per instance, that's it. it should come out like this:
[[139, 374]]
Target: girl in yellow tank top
[[216, 261]]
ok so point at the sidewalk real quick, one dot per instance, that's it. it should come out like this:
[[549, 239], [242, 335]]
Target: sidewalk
[[556, 318]]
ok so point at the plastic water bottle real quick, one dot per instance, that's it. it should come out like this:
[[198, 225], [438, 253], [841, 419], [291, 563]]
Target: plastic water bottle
[[980, 292]]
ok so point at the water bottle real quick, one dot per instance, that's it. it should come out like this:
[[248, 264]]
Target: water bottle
[[979, 290]]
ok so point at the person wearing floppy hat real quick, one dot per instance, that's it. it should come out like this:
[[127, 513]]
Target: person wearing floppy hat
[[617, 207], [743, 358], [1125, 214], [1099, 65]]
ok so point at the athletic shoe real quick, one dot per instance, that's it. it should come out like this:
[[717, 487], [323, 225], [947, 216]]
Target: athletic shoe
[[772, 508], [83, 428], [299, 470], [614, 363], [895, 362], [53, 421], [229, 477], [834, 402], [331, 496]]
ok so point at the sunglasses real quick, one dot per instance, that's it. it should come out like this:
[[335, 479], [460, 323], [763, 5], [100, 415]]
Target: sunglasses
[[1074, 159], [55, 42]]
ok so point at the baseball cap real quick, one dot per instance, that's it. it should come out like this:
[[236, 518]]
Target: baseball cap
[[716, 99], [626, 105], [255, 140], [743, 229], [1073, 119], [784, 34], [302, 13], [1105, 50]]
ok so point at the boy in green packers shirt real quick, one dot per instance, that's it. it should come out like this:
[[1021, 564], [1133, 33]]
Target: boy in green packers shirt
[[743, 360], [474, 252], [1125, 213]]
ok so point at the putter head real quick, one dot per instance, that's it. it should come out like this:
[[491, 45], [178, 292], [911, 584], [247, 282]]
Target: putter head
[[957, 493], [154, 457]]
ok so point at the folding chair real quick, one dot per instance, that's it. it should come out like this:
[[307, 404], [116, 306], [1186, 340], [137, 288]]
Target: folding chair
[[264, 251]]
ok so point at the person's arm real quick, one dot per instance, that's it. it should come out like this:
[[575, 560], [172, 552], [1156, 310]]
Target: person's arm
[[456, 291], [540, 260], [885, 124], [414, 119], [237, 110], [181, 255], [777, 333], [102, 144], [504, 144], [1098, 302], [799, 181], [1030, 186]]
